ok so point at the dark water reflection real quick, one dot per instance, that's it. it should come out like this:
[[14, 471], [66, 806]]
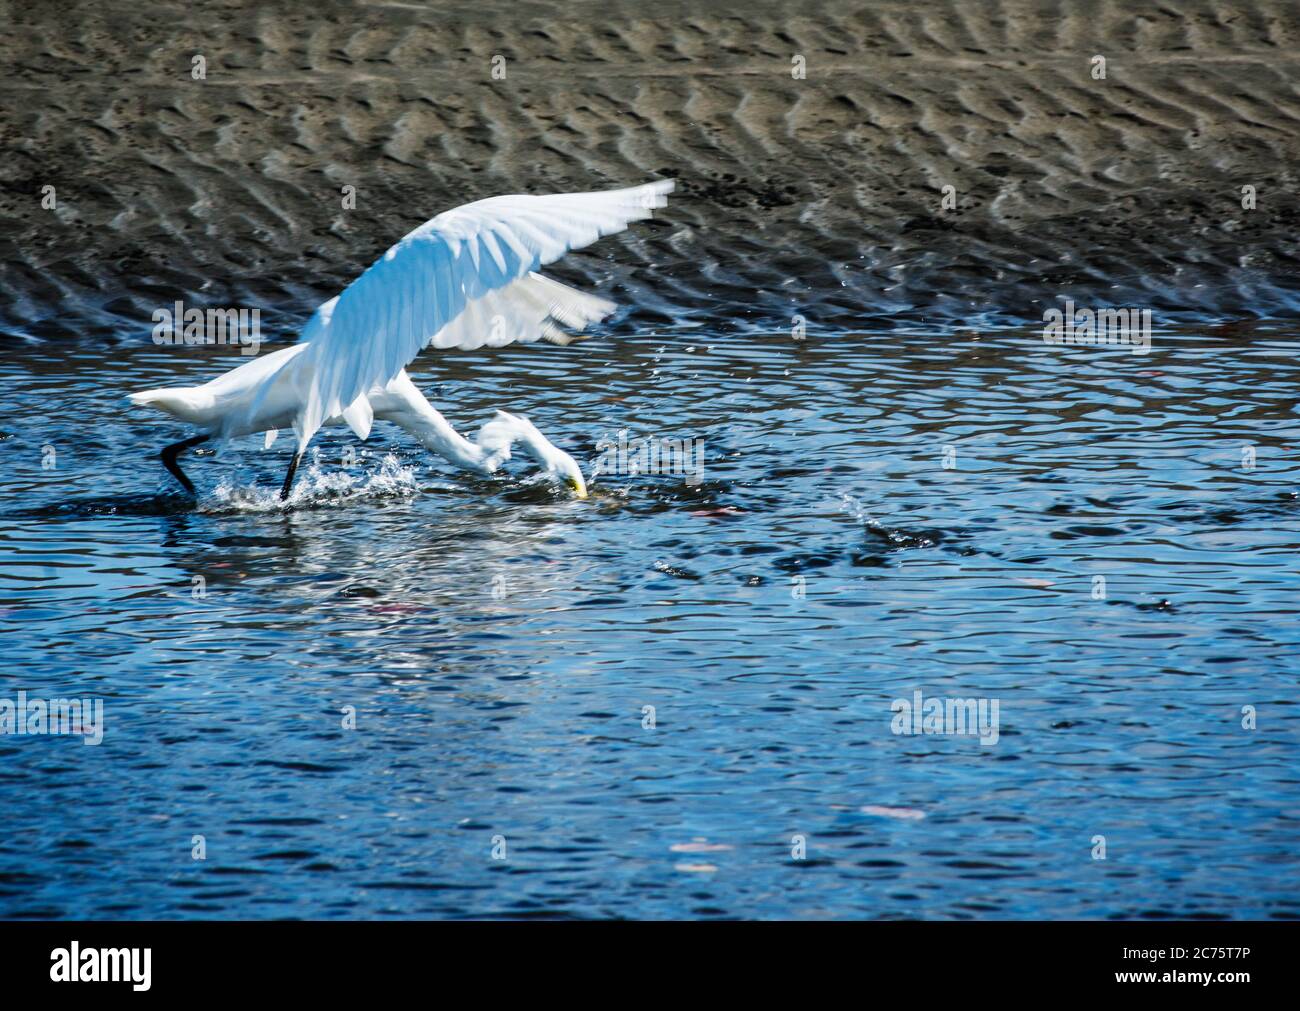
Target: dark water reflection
[[520, 715]]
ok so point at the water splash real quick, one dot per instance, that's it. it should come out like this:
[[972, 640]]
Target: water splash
[[317, 485], [854, 507]]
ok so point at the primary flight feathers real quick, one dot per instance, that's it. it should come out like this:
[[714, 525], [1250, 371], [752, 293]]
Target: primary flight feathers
[[463, 280]]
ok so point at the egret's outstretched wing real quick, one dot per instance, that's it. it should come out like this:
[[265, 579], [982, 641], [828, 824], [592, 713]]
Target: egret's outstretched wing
[[464, 279], [532, 308]]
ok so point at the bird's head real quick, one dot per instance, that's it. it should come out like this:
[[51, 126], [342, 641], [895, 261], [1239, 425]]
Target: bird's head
[[566, 468], [497, 435]]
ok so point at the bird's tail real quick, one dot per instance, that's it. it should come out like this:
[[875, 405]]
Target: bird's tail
[[183, 402]]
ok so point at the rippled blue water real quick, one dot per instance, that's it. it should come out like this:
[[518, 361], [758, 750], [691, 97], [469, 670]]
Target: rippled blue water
[[828, 564]]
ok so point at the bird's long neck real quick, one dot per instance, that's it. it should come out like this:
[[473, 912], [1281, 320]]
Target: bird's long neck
[[433, 432], [498, 435], [404, 405]]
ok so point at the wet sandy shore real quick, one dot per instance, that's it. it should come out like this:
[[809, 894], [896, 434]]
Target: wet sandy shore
[[821, 196]]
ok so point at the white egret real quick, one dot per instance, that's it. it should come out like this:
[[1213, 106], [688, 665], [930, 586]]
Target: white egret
[[466, 279]]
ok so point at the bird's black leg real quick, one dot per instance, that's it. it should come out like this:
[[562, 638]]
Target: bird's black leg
[[288, 478], [169, 459]]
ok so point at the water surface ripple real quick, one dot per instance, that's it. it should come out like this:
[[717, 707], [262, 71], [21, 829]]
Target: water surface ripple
[[520, 714]]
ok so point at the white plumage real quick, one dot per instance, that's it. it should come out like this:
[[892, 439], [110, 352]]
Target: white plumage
[[416, 293], [466, 279]]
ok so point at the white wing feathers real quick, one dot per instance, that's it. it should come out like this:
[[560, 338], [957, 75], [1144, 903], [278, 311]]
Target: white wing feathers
[[532, 308], [466, 279]]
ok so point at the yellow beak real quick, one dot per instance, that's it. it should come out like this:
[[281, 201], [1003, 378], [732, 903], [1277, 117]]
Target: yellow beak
[[578, 485]]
